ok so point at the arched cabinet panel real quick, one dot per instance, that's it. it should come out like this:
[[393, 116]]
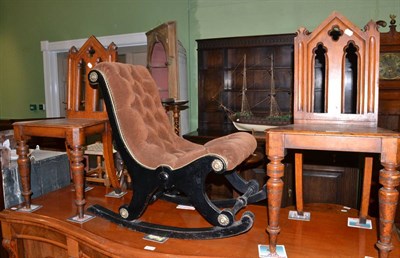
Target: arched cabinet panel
[[166, 61]]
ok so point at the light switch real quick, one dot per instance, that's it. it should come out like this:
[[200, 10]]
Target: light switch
[[32, 107]]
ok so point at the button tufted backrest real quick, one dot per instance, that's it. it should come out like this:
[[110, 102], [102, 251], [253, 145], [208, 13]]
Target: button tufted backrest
[[140, 117], [140, 121]]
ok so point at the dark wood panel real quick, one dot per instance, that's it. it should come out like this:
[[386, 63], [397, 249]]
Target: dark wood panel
[[330, 184], [221, 77], [389, 89]]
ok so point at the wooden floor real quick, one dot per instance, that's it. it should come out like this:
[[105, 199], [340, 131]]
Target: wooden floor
[[326, 235]]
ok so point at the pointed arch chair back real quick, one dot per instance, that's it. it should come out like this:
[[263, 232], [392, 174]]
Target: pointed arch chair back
[[83, 101], [336, 73]]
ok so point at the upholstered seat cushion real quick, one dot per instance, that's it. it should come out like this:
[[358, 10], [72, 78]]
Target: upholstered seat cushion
[[145, 128]]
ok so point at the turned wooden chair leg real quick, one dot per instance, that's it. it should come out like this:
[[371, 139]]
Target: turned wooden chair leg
[[99, 167], [298, 170], [68, 151], [109, 158], [24, 169], [366, 190]]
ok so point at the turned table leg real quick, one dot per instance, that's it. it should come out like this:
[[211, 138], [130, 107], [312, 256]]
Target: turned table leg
[[389, 177], [275, 171], [24, 168]]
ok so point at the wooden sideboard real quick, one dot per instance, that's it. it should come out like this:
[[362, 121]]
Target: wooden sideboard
[[47, 233]]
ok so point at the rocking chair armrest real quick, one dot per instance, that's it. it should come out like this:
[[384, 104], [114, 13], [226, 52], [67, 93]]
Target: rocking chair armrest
[[233, 148]]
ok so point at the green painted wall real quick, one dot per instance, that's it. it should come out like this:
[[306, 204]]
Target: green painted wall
[[24, 23]]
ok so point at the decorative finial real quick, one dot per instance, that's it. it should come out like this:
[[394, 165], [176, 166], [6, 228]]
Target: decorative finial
[[392, 19]]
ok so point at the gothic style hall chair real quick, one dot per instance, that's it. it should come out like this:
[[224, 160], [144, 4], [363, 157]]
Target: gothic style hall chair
[[160, 162], [85, 116], [335, 109]]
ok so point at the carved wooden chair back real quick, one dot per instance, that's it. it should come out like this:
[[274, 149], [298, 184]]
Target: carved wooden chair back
[[336, 82], [84, 101], [336, 73]]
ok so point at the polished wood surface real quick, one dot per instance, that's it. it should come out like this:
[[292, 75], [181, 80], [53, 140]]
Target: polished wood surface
[[86, 115], [47, 232]]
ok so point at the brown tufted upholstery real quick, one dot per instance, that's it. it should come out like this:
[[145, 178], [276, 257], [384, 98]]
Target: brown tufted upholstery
[[145, 128]]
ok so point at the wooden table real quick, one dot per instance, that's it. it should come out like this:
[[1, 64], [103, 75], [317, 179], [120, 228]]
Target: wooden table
[[335, 138], [47, 233]]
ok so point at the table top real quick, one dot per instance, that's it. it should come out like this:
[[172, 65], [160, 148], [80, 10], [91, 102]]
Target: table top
[[315, 238], [335, 129]]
